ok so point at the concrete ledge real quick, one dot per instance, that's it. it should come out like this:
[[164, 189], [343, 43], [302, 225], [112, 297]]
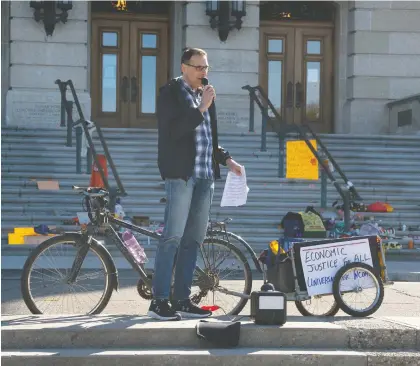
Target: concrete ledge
[[404, 277], [380, 333], [133, 331], [407, 321], [186, 357], [393, 358], [113, 331]]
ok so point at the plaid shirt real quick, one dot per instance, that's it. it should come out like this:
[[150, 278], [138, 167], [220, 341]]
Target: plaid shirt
[[203, 159]]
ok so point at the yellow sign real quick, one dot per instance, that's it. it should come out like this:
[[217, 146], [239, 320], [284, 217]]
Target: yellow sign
[[300, 161]]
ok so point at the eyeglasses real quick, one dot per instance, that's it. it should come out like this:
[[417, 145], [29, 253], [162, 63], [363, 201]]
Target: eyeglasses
[[199, 68]]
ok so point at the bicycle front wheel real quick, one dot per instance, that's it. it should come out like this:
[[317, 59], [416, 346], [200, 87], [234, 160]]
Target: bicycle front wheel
[[44, 285]]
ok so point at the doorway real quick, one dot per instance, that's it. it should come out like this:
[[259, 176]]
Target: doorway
[[296, 68], [129, 64]]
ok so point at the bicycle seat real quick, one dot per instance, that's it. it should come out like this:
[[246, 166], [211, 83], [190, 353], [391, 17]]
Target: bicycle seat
[[221, 223], [97, 191]]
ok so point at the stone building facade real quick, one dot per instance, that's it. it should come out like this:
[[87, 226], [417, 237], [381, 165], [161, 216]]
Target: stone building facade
[[336, 65]]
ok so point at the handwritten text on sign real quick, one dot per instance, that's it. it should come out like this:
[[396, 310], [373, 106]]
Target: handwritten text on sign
[[321, 263], [300, 161]]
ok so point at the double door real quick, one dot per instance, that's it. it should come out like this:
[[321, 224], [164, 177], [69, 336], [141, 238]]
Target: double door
[[129, 64], [296, 71]]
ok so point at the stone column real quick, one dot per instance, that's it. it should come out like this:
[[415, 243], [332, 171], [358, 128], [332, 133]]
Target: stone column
[[177, 40], [5, 55]]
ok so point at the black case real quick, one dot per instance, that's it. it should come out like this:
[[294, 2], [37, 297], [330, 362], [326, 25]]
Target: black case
[[268, 316], [280, 275]]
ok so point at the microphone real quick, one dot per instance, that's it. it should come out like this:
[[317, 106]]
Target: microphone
[[204, 82]]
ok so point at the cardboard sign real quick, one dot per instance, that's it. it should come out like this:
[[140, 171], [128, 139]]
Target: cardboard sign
[[48, 185], [321, 262], [300, 161]]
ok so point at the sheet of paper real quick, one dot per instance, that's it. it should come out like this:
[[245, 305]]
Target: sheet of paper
[[236, 191]]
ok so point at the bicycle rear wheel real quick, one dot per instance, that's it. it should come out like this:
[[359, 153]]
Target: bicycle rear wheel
[[221, 268], [44, 278]]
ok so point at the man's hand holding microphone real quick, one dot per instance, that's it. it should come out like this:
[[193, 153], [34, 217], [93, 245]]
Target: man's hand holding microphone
[[209, 94]]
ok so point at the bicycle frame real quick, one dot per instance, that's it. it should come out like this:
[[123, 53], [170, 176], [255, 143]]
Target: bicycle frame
[[113, 235]]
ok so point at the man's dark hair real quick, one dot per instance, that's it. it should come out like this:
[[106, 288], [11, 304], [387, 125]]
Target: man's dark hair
[[190, 52]]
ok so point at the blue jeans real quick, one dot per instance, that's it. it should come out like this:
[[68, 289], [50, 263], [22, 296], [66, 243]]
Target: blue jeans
[[186, 216]]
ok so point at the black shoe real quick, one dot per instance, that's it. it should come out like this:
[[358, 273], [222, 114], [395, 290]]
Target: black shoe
[[162, 310], [187, 309]]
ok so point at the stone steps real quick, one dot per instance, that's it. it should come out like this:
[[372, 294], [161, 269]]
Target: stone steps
[[221, 357], [382, 168]]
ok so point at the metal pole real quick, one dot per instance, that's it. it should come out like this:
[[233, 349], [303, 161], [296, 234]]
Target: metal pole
[[251, 114], [346, 206], [79, 149], [323, 189], [63, 115], [264, 131], [88, 160], [281, 158], [63, 88], [69, 108]]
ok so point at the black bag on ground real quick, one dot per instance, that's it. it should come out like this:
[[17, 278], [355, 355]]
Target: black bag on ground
[[219, 334]]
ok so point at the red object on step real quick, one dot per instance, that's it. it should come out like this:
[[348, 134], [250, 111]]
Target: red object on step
[[377, 207], [210, 307], [95, 177]]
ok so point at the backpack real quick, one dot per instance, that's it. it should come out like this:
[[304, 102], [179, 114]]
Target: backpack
[[314, 227], [292, 225]]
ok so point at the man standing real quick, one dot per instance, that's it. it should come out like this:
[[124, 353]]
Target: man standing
[[188, 159]]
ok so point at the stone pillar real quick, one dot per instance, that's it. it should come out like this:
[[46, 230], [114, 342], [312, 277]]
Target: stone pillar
[[36, 61], [5, 55], [234, 62], [177, 40], [341, 33]]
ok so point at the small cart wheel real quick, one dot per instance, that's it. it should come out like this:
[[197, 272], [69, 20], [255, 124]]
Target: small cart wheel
[[318, 305], [353, 284]]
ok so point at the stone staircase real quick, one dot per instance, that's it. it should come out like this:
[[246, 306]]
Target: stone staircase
[[383, 168], [135, 340]]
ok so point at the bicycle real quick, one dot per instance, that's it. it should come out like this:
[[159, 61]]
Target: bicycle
[[83, 249]]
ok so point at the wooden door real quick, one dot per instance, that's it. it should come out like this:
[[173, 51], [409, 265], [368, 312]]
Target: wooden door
[[110, 72], [148, 70], [296, 71], [277, 67], [129, 64]]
